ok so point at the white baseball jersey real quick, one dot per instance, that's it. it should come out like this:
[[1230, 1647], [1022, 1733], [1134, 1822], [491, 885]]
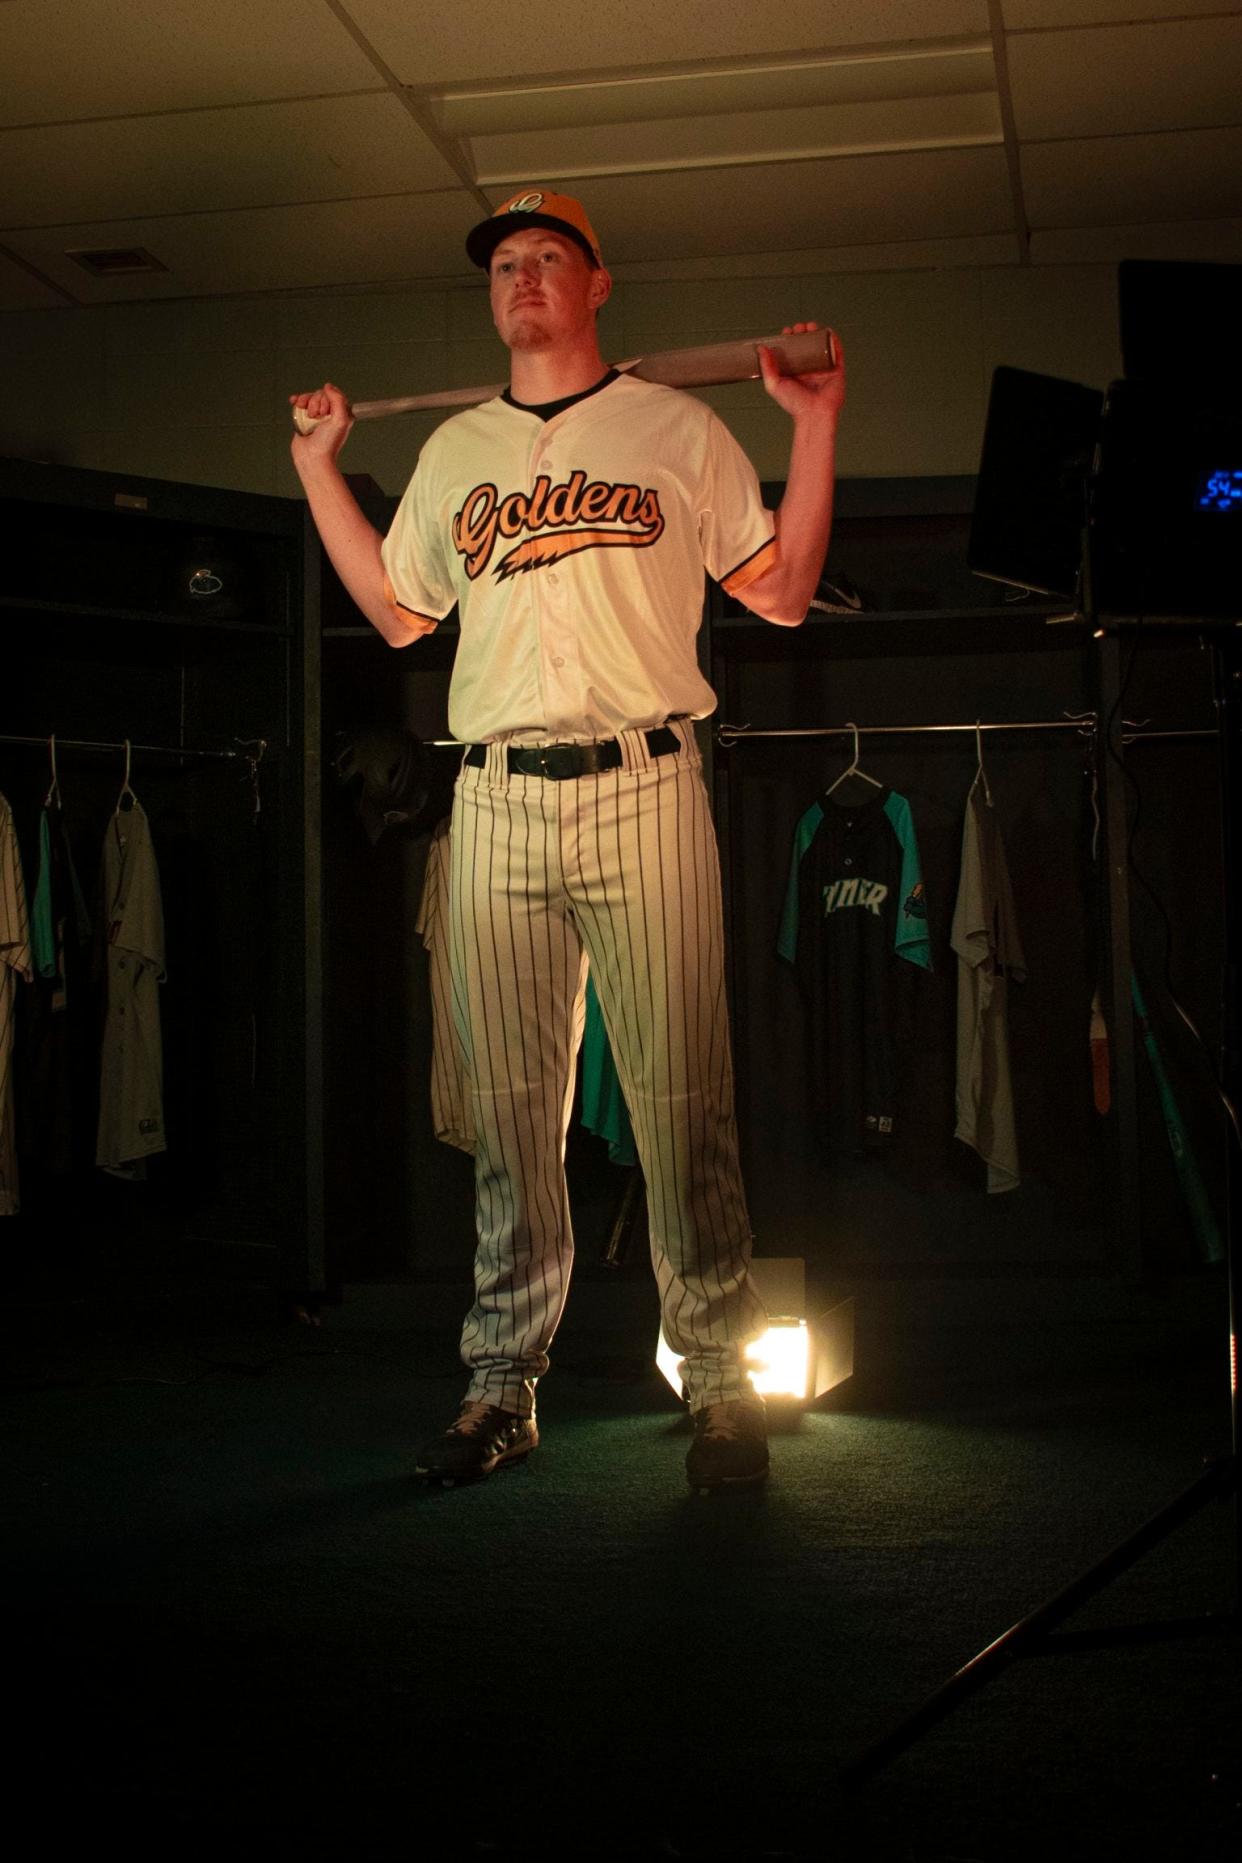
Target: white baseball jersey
[[575, 549], [15, 962], [131, 1083]]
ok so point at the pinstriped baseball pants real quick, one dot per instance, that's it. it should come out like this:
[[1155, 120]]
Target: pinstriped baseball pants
[[621, 870]]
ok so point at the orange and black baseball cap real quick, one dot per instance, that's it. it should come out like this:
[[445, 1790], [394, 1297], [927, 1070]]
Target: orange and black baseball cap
[[533, 207]]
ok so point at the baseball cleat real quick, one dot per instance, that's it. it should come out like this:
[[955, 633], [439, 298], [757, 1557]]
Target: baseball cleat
[[483, 1438], [730, 1447]]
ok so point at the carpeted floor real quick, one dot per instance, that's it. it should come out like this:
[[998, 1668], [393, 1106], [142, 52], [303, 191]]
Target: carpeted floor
[[242, 1631]]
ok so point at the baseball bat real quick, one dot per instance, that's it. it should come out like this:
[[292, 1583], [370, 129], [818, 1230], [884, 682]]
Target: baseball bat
[[706, 366]]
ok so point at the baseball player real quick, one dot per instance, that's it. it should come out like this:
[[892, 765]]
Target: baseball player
[[571, 520]]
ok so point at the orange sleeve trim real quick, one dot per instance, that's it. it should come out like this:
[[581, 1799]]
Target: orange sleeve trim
[[766, 557], [410, 617]]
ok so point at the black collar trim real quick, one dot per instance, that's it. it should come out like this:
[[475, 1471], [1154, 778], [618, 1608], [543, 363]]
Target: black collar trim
[[544, 410]]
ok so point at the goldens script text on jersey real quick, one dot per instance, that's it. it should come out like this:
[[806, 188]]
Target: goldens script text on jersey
[[548, 515]]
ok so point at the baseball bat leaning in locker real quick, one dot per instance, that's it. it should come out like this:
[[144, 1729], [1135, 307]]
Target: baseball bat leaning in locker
[[707, 366]]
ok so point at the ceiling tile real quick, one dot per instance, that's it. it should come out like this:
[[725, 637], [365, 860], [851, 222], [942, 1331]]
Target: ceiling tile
[[287, 248], [1188, 174], [428, 46], [86, 58], [1181, 74], [1020, 14], [854, 200], [319, 149], [21, 290]]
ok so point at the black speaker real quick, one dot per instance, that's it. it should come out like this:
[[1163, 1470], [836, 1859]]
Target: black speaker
[[1166, 525]]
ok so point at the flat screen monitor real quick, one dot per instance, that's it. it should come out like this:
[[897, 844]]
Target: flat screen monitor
[[1030, 498]]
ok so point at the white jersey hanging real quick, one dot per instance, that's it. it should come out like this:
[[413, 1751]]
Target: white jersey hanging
[[989, 952], [131, 1079]]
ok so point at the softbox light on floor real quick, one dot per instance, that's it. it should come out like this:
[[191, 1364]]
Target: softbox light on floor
[[795, 1360]]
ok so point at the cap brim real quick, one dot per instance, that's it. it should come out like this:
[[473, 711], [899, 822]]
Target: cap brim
[[483, 239]]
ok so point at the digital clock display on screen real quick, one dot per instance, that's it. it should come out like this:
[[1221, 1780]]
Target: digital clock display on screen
[[1219, 489]]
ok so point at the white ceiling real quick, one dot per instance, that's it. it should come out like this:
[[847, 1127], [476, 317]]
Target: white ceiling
[[275, 145]]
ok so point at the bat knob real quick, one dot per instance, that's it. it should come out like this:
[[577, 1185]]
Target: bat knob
[[304, 422]]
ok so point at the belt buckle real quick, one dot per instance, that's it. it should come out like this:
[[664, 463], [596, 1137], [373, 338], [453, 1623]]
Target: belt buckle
[[558, 761]]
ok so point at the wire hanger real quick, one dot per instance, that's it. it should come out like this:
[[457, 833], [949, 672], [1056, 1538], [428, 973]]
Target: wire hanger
[[53, 793], [981, 775], [853, 769], [127, 798]]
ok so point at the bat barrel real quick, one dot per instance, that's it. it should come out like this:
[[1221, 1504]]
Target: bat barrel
[[713, 364]]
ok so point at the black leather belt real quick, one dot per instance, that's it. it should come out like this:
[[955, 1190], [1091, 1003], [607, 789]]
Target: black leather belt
[[562, 760]]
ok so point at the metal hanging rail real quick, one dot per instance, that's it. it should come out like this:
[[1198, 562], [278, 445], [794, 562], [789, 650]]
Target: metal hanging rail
[[727, 734], [252, 751]]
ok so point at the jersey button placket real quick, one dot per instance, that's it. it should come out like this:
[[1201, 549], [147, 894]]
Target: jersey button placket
[[558, 655]]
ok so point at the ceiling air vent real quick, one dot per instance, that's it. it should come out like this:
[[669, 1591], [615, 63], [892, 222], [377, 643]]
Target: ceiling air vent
[[116, 261]]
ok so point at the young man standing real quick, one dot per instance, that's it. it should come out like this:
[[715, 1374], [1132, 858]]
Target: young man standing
[[571, 520]]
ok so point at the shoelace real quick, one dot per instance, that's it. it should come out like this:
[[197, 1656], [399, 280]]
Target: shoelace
[[474, 1416], [724, 1421]]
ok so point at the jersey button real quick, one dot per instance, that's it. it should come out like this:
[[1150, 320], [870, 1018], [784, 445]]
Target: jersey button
[[848, 861]]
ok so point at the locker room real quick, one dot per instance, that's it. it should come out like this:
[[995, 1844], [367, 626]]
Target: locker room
[[230, 1332]]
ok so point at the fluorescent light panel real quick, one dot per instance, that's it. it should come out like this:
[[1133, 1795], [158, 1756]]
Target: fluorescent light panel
[[574, 103], [739, 139], [788, 111]]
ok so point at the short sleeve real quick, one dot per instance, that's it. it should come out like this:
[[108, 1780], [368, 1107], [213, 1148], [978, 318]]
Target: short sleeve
[[738, 535], [138, 920], [416, 580], [910, 936]]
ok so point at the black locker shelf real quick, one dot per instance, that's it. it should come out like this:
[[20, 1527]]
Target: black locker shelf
[[102, 642]]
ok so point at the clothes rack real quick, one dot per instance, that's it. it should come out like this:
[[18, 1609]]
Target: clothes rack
[[250, 751]]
